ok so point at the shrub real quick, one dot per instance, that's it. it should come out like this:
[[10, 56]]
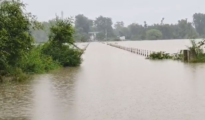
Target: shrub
[[37, 62], [64, 55], [159, 55], [60, 34]]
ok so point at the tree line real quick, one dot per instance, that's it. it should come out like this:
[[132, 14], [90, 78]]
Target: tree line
[[109, 31]]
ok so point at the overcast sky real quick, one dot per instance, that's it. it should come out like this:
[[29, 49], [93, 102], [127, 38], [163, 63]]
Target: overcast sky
[[129, 11]]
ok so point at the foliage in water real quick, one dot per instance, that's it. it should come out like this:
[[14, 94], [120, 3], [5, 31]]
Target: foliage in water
[[37, 62], [15, 38], [196, 51], [19, 57], [60, 34], [63, 55], [159, 55]]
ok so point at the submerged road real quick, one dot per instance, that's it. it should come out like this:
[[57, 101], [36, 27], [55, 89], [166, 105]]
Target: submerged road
[[111, 84]]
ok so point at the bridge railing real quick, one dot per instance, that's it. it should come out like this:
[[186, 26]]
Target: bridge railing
[[142, 52]]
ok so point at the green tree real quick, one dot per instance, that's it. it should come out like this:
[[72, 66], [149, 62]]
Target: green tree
[[62, 32], [121, 30], [199, 23], [137, 32], [15, 35], [83, 26], [186, 30], [60, 43], [119, 25], [104, 26], [153, 34]]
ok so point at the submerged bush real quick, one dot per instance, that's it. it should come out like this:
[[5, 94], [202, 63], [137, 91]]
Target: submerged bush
[[64, 55], [60, 40], [196, 51], [159, 55], [178, 56], [200, 58], [37, 62]]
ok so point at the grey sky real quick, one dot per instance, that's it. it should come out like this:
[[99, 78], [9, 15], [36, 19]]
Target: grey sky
[[128, 11]]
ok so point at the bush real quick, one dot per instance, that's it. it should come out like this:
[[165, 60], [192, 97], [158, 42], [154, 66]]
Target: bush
[[37, 62], [159, 55], [200, 58], [64, 55], [13, 74], [60, 34]]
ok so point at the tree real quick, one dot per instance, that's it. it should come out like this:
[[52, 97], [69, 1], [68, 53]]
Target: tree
[[153, 34], [162, 21], [137, 32], [166, 30], [15, 35], [62, 32], [199, 23], [60, 42], [119, 25], [145, 24], [83, 26], [186, 30], [120, 30], [104, 26]]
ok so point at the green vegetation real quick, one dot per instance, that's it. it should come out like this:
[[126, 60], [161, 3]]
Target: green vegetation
[[60, 34], [37, 62], [159, 56], [183, 29], [153, 34], [19, 57], [196, 53]]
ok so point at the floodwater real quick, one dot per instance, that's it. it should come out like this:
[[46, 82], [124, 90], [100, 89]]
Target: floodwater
[[169, 46], [111, 84]]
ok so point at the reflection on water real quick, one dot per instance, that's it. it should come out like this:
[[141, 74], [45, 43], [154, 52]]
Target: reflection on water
[[111, 84], [47, 97]]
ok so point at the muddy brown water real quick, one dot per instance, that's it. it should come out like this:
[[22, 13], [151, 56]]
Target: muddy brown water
[[111, 84]]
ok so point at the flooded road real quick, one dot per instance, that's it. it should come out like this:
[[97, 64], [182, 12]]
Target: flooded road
[[169, 46], [111, 84]]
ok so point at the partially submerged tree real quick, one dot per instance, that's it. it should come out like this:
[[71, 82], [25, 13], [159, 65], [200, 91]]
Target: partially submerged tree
[[60, 41]]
